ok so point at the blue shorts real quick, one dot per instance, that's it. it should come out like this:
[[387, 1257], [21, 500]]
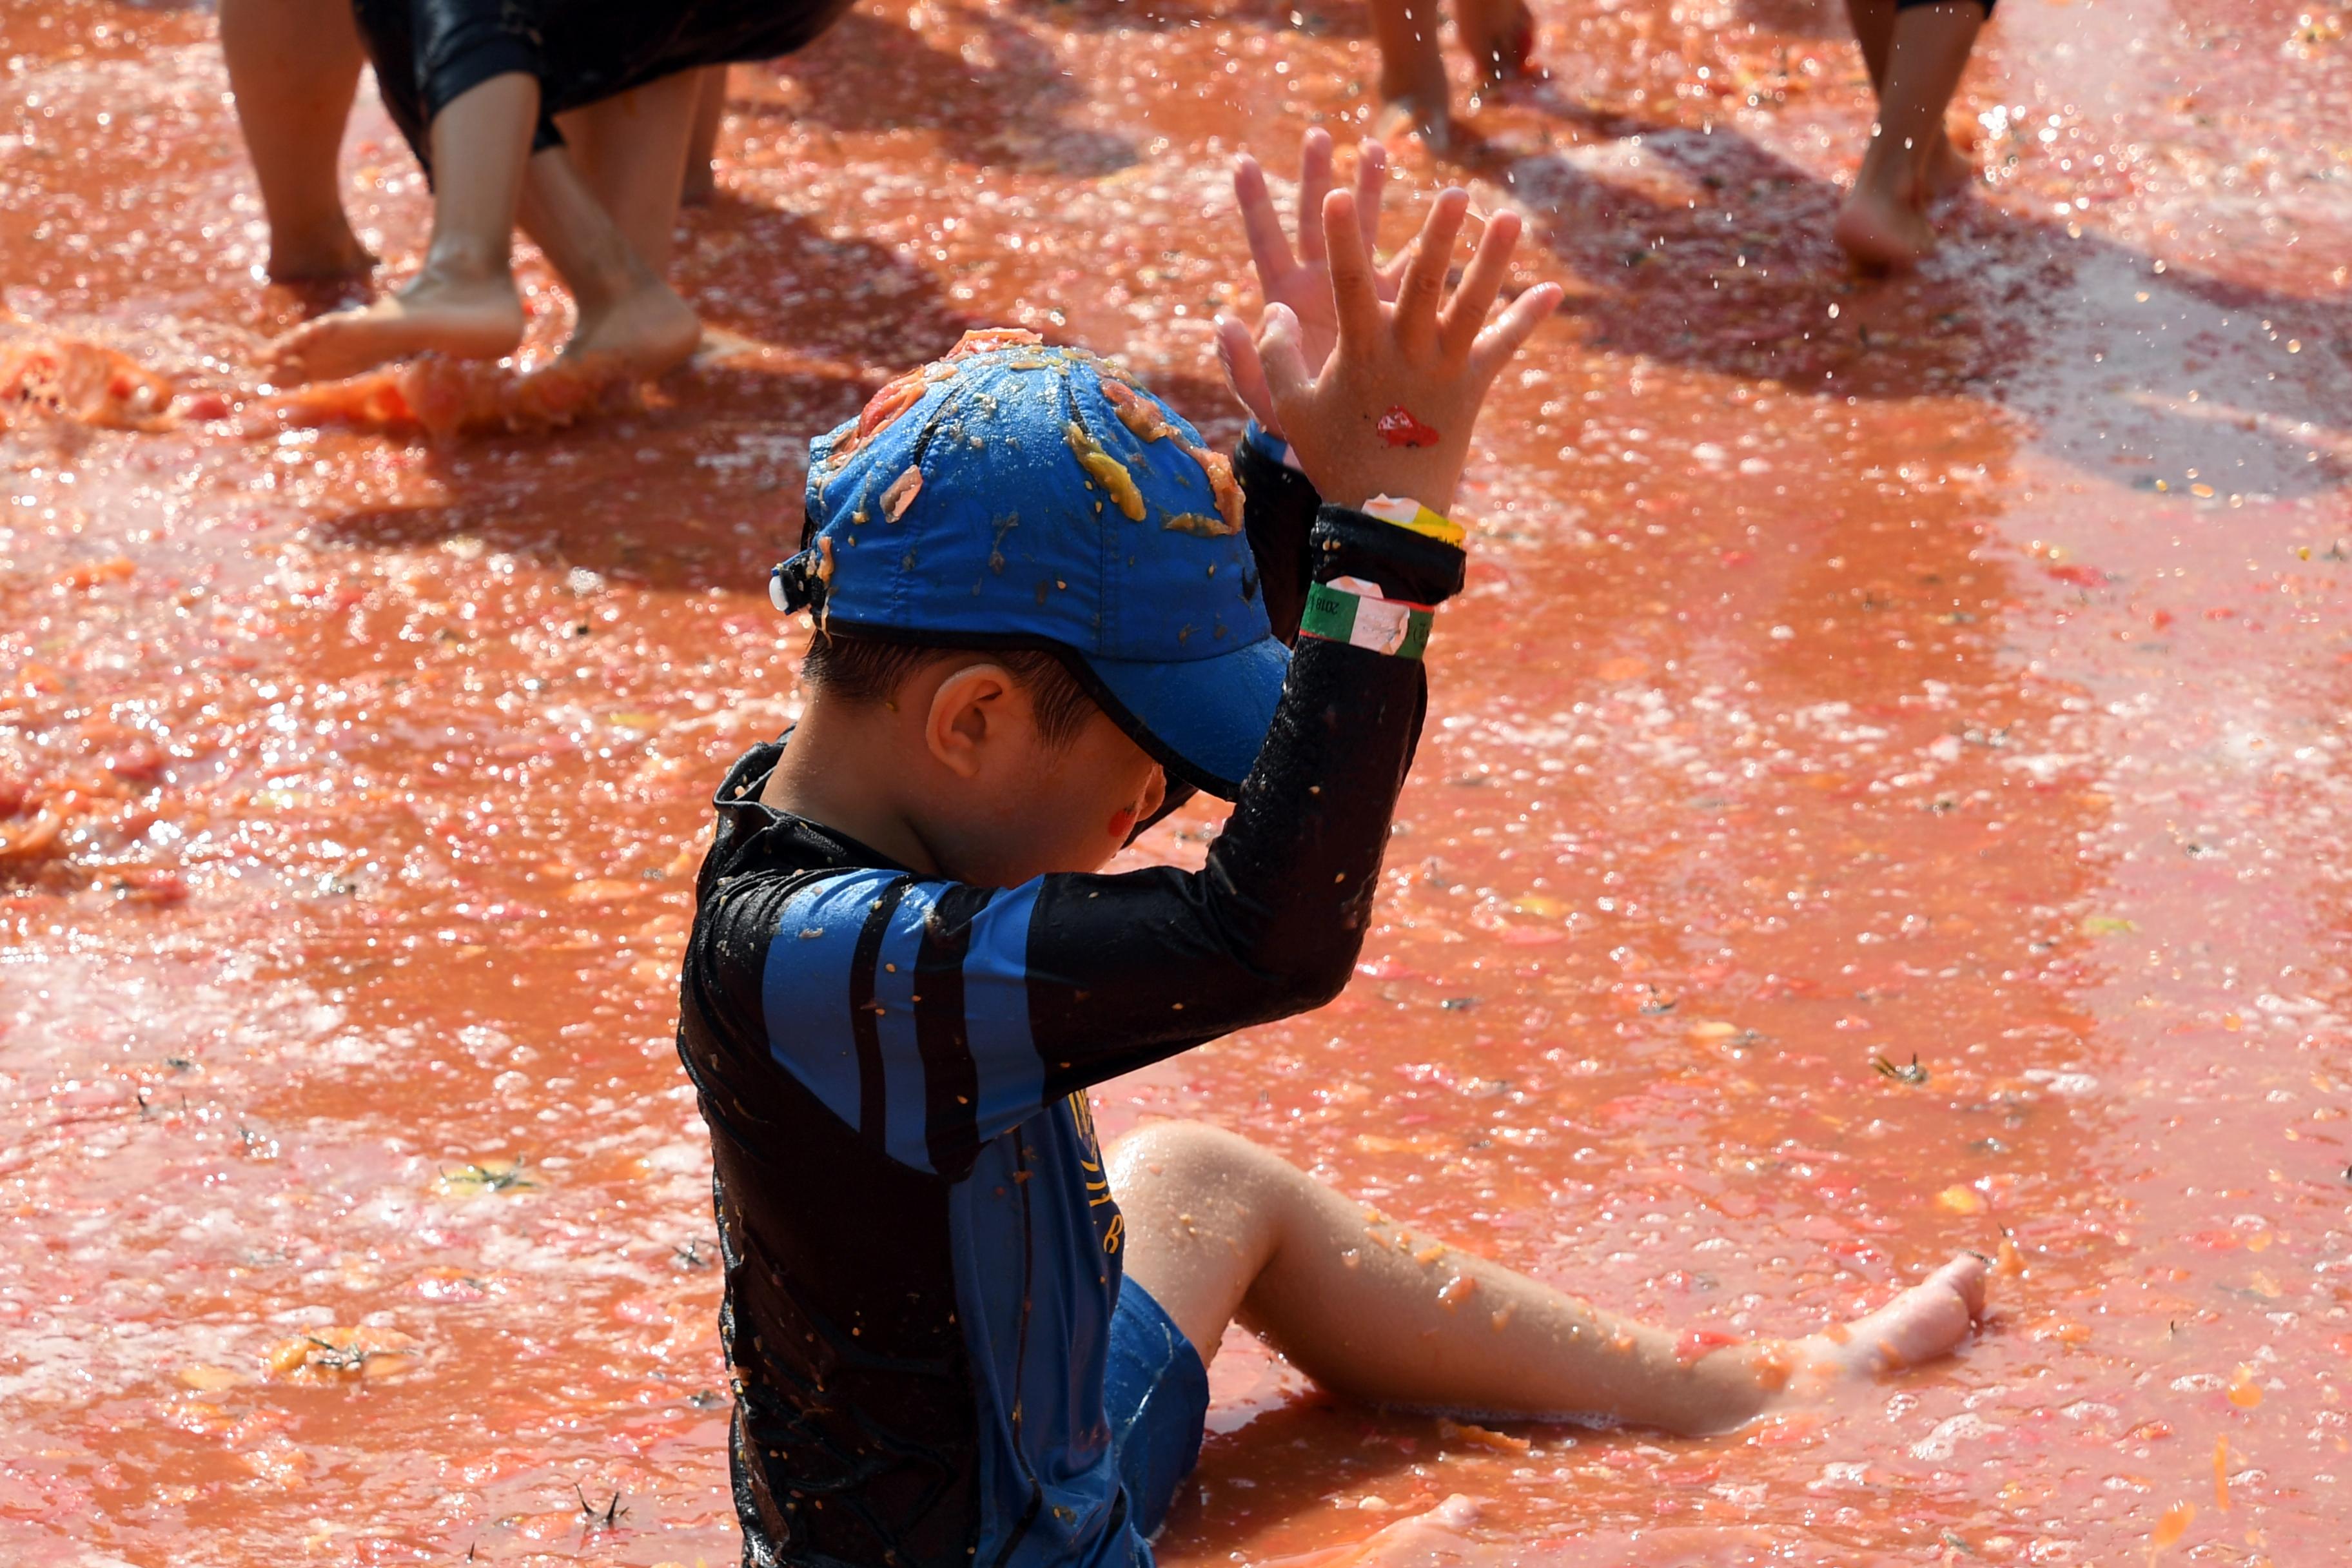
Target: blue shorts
[[1155, 1392]]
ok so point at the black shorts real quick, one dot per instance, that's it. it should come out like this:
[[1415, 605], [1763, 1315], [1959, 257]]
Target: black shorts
[[427, 52]]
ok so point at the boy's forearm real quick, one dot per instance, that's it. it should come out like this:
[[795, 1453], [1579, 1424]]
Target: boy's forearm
[[1280, 504], [1125, 970], [1313, 819]]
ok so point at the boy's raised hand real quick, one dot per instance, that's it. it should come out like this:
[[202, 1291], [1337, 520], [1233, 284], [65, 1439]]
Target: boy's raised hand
[[1390, 411], [1301, 278]]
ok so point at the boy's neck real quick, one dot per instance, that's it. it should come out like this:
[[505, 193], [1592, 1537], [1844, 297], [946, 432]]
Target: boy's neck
[[834, 773]]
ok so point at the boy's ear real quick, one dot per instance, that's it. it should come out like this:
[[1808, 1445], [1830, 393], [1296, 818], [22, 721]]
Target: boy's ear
[[968, 710]]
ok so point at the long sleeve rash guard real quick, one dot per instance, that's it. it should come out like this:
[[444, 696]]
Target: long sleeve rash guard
[[921, 1249]]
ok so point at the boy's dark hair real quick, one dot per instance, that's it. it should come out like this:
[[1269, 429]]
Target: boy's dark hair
[[858, 667]]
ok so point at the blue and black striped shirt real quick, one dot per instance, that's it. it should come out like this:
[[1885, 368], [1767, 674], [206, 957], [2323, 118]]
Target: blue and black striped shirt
[[922, 1252]]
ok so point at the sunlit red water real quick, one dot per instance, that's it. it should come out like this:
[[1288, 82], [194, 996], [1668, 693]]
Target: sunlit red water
[[1952, 669]]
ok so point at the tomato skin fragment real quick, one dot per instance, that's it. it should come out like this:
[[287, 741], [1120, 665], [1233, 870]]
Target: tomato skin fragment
[[1697, 1343]]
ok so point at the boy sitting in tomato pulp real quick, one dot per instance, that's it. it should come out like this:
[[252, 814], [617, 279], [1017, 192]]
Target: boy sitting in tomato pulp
[[960, 1330]]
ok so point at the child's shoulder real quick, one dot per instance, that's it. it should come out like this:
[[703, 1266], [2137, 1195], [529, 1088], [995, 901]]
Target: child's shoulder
[[757, 847], [774, 879]]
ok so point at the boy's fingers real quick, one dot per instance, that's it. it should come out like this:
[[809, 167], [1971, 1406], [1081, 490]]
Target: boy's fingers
[[1281, 357], [1269, 251], [1314, 184], [1490, 265], [1424, 284], [1353, 290], [1237, 352], [1496, 345], [1371, 178]]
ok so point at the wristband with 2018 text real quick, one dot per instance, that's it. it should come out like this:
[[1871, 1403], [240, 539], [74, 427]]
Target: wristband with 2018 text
[[1349, 610]]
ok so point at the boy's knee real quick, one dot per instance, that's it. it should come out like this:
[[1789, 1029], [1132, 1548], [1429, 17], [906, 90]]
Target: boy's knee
[[1183, 1157]]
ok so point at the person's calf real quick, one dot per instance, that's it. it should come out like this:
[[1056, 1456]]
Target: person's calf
[[629, 321], [1414, 90], [702, 147], [293, 67]]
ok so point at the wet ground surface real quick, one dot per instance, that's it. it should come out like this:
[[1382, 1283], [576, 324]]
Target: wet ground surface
[[1853, 673]]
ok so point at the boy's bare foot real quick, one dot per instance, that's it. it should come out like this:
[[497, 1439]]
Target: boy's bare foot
[[470, 317], [1878, 228], [646, 330], [1923, 1322], [1432, 121], [1416, 93]]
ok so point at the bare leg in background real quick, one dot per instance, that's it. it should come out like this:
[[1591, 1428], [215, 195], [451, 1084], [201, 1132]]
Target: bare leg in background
[[1414, 84], [709, 113], [463, 303], [294, 67], [626, 313], [1915, 58]]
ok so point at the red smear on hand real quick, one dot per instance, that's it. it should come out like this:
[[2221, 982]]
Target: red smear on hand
[[1698, 1343], [1398, 427]]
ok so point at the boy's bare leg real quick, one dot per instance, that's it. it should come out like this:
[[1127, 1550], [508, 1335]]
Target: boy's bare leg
[[626, 312], [1414, 84], [1219, 1228], [1948, 169], [709, 113], [1883, 222], [293, 67], [463, 303]]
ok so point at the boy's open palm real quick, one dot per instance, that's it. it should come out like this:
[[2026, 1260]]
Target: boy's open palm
[[1390, 411], [1300, 277]]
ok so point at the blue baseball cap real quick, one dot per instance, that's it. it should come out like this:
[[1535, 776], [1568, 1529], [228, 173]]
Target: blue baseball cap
[[1016, 494]]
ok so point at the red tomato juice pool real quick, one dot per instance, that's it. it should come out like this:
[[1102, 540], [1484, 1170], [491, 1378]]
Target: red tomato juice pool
[[1882, 792]]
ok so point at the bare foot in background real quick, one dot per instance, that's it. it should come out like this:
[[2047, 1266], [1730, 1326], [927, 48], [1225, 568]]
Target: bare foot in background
[[464, 316], [1880, 226], [1499, 36], [645, 331], [1916, 53]]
